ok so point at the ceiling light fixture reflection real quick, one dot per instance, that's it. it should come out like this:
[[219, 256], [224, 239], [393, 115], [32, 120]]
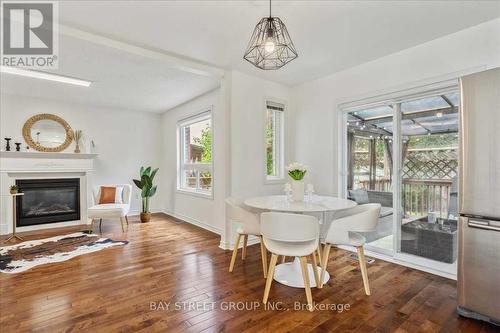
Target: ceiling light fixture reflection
[[44, 76]]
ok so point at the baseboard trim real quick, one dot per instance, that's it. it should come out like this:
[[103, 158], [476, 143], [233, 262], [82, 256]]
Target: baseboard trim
[[252, 240], [391, 259], [138, 212], [193, 221]]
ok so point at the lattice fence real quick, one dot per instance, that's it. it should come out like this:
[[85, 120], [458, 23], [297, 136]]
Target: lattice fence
[[431, 164], [361, 161]]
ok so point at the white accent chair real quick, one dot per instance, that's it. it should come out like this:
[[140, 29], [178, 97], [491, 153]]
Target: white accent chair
[[112, 210], [344, 230], [250, 225], [291, 235]]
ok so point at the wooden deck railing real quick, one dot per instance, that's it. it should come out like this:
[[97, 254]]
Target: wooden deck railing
[[420, 196]]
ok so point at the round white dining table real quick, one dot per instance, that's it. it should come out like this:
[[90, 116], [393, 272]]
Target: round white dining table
[[290, 273]]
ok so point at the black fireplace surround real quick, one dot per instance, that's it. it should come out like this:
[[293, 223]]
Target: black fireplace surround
[[48, 201]]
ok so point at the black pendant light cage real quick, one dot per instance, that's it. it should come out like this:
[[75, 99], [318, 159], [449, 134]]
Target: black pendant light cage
[[270, 29]]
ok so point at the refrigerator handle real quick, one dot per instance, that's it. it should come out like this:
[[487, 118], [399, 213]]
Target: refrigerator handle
[[482, 224]]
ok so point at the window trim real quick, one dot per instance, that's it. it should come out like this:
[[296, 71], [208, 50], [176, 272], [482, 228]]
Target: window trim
[[205, 113], [281, 179]]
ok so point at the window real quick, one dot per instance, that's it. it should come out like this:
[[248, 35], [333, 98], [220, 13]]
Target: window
[[275, 119], [195, 154]]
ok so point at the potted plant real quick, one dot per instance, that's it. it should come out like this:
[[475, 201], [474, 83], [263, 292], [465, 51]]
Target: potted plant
[[297, 171], [145, 184], [14, 189]]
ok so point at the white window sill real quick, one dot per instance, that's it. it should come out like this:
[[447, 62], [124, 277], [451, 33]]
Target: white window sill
[[195, 193], [274, 181]]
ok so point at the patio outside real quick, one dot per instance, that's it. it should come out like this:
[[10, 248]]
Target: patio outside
[[429, 128]]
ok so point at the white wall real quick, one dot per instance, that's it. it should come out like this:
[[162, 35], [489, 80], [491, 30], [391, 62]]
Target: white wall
[[239, 164], [125, 140], [248, 96], [205, 212], [470, 50], [247, 138]]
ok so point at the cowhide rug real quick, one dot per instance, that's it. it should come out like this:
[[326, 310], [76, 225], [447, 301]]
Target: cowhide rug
[[23, 256]]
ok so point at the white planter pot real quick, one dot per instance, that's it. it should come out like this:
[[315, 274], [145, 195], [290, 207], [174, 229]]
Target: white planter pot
[[297, 190]]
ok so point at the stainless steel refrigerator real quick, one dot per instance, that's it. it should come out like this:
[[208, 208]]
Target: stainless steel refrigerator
[[479, 193]]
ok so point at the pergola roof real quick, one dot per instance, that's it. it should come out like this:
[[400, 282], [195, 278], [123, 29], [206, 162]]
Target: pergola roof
[[431, 115]]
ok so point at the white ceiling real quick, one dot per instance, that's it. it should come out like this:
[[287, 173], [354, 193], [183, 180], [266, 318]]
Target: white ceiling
[[119, 79], [329, 35]]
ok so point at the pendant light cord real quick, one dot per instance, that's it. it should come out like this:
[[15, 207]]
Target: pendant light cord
[[270, 8]]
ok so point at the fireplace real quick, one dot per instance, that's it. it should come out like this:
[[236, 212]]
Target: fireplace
[[48, 201]]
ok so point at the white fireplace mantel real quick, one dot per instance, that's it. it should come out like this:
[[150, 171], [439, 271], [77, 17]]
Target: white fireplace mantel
[[26, 154], [13, 161], [25, 165]]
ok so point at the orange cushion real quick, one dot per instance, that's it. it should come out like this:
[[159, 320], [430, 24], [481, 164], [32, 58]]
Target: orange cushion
[[108, 195]]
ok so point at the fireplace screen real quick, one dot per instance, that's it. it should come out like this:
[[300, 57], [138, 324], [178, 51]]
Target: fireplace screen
[[48, 201]]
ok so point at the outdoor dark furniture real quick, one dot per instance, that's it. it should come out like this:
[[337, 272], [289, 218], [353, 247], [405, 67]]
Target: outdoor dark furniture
[[436, 241]]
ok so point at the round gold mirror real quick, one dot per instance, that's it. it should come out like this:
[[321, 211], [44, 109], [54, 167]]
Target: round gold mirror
[[47, 132]]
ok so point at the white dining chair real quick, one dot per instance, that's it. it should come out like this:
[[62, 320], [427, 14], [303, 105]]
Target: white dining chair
[[345, 230], [291, 235], [249, 225], [111, 210]]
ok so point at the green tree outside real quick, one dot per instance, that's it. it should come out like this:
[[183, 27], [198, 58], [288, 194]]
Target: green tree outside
[[206, 142]]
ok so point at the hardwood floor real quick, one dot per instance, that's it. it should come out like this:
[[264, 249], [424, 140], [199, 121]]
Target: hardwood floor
[[120, 290]]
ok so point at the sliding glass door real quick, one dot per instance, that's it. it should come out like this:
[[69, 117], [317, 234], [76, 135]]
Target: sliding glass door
[[403, 154], [428, 180], [369, 141]]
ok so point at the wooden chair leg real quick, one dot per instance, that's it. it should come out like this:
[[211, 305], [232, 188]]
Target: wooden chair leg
[[263, 253], [270, 276], [244, 250], [91, 230], [283, 259], [315, 253], [100, 226], [235, 252], [364, 272], [121, 222], [324, 263], [307, 285], [315, 268], [126, 219]]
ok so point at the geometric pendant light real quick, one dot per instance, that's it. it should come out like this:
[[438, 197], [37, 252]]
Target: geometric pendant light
[[270, 46]]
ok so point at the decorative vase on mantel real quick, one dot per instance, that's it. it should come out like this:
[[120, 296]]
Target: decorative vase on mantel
[[76, 136], [298, 190]]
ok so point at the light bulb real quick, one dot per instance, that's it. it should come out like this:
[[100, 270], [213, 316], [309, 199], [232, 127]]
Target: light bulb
[[269, 46]]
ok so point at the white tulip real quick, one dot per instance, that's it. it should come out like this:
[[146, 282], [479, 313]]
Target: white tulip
[[296, 166]]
